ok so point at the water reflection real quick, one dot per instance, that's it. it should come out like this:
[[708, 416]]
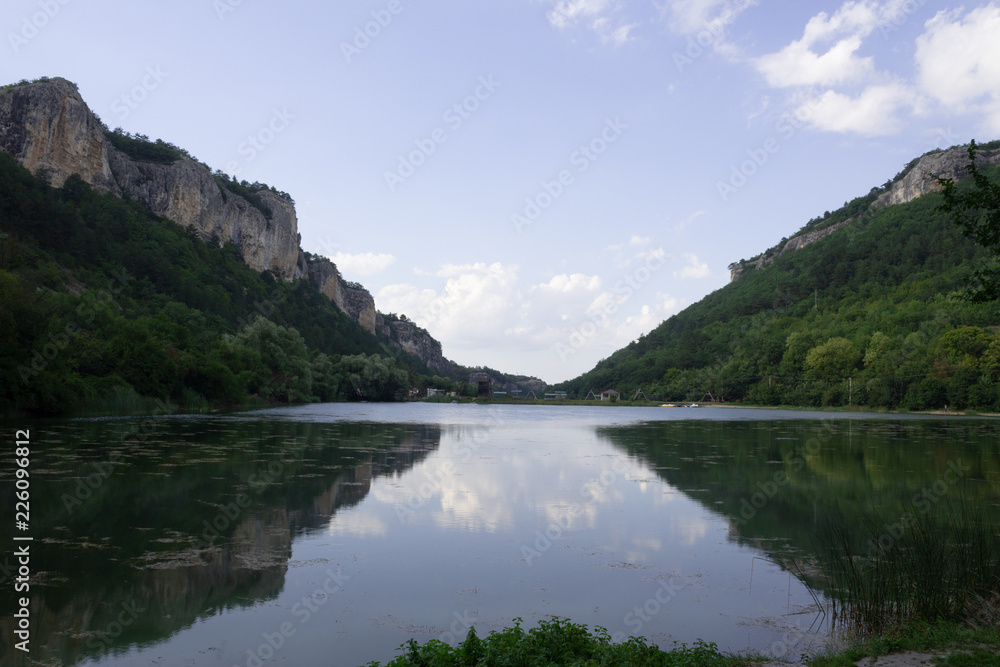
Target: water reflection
[[139, 540], [199, 541]]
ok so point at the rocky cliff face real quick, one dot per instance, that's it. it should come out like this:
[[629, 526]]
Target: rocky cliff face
[[47, 125], [920, 179], [358, 304], [737, 269], [419, 343]]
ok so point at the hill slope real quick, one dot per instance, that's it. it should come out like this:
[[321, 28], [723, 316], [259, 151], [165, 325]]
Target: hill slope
[[859, 306]]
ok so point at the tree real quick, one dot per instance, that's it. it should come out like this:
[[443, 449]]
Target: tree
[[836, 358], [976, 208]]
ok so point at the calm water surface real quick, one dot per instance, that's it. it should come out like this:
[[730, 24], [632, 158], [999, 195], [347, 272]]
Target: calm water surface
[[331, 534]]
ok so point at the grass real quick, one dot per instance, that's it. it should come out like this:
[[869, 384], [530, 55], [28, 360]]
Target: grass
[[967, 645], [557, 641], [917, 569]]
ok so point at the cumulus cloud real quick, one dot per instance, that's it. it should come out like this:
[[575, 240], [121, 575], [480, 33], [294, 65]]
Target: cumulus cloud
[[826, 54], [958, 61], [847, 93], [363, 264], [490, 307], [872, 113], [695, 268]]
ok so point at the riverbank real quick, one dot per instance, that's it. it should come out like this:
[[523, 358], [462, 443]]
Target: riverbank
[[562, 642]]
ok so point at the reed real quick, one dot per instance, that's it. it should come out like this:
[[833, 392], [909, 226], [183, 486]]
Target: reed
[[928, 568]]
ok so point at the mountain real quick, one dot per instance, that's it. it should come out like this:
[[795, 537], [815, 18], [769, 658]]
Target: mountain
[[861, 306], [131, 276], [48, 127]]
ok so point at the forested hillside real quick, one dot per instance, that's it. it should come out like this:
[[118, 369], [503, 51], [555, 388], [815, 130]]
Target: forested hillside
[[870, 315], [105, 306]]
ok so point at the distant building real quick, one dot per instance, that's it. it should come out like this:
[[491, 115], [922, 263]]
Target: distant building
[[610, 395], [434, 392], [483, 384]]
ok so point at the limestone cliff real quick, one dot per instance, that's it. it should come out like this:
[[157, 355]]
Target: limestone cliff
[[355, 301], [737, 269], [48, 126], [919, 178], [419, 343]]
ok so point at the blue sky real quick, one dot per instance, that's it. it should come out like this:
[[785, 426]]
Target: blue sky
[[536, 182]]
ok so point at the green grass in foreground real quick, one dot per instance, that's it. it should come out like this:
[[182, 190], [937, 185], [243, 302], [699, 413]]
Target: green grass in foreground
[[556, 642], [561, 642], [963, 645]]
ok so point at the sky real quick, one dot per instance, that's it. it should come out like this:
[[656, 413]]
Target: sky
[[535, 182]]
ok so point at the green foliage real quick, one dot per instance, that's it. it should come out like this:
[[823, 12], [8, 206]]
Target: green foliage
[[140, 148], [246, 190], [873, 302], [974, 204], [556, 641], [102, 302]]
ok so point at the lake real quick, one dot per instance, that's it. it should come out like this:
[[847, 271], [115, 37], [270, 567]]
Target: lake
[[331, 534]]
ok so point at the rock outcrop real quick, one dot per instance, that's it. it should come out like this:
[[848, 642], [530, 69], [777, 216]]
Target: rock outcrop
[[355, 301], [419, 343], [918, 179], [49, 127], [737, 269], [921, 178]]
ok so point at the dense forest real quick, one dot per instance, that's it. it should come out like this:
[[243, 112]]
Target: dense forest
[[873, 315], [105, 307]]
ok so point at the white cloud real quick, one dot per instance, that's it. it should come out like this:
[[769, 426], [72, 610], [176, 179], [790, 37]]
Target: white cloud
[[363, 264], [691, 16], [853, 96], [695, 268], [958, 61], [826, 55], [567, 12], [598, 15], [488, 307], [872, 113]]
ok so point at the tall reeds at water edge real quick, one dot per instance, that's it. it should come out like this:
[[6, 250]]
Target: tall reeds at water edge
[[932, 567]]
